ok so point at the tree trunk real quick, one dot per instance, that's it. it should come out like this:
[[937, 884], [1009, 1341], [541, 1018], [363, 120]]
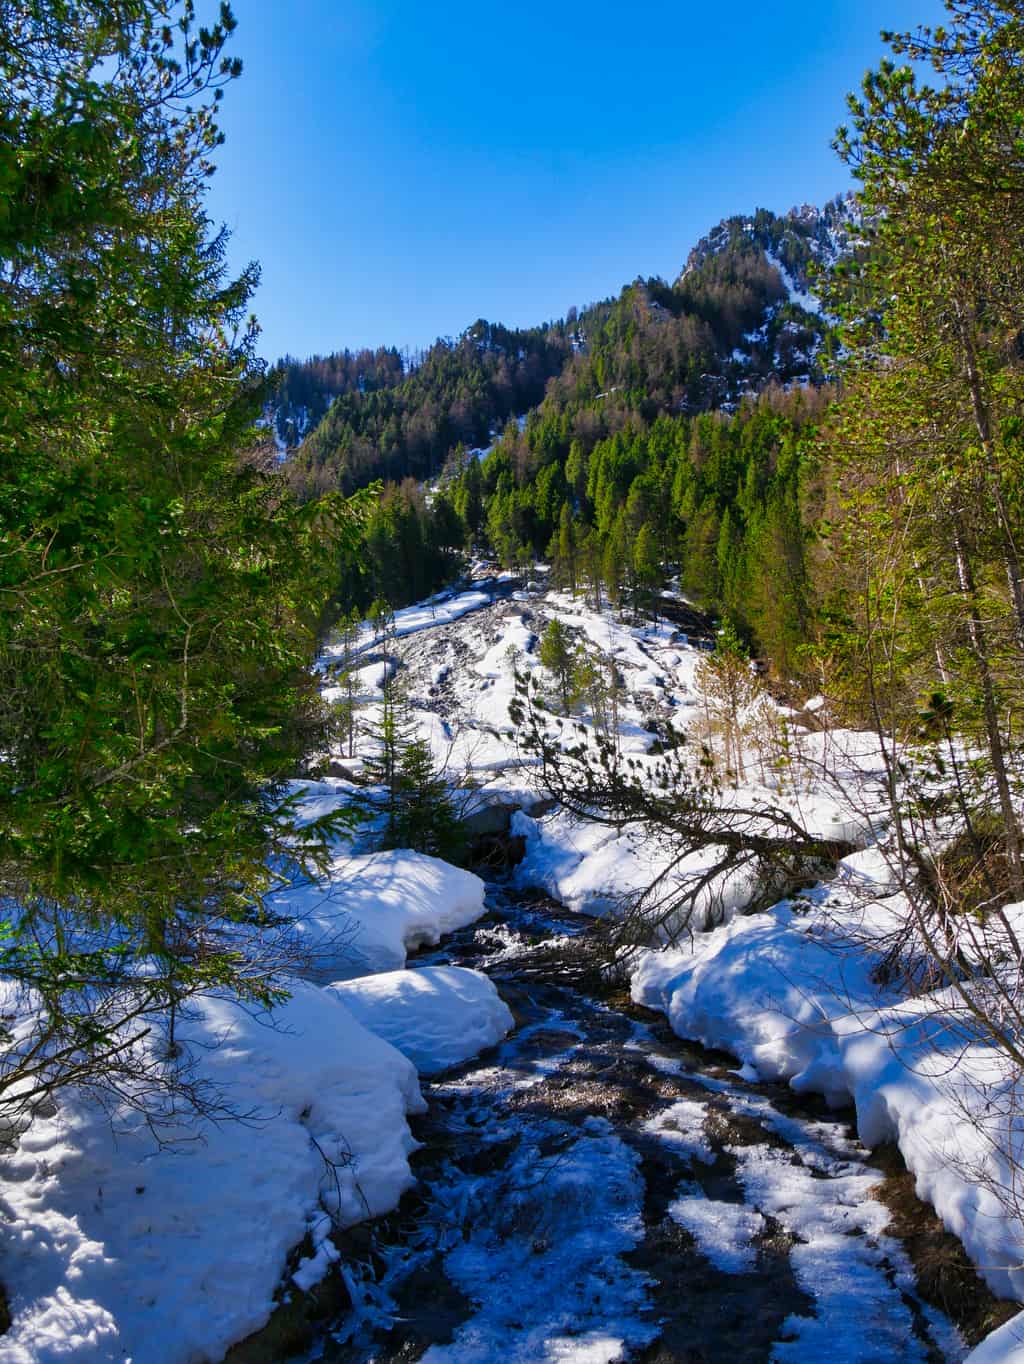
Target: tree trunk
[[983, 426], [979, 648]]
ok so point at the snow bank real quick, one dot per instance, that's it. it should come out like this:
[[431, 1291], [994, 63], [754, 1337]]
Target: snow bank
[[437, 1016], [788, 994], [1004, 1346], [376, 908], [593, 869], [113, 1249]]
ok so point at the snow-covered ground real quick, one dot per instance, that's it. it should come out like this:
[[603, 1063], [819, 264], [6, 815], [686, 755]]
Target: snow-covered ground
[[787, 994], [114, 1248]]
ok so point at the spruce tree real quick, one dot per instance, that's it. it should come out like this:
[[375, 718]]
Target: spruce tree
[[647, 567], [558, 656], [567, 549], [418, 810], [160, 592]]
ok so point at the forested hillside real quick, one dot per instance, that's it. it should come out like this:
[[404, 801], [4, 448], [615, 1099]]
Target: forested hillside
[[719, 372], [303, 390], [405, 427]]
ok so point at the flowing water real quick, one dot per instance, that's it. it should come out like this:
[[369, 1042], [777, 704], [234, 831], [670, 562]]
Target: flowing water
[[595, 1190]]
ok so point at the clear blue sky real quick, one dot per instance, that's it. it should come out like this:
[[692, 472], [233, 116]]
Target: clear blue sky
[[401, 169]]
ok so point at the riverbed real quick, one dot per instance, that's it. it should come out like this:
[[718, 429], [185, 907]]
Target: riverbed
[[596, 1190]]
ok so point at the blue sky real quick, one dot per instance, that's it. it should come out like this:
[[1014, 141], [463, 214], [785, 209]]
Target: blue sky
[[400, 170]]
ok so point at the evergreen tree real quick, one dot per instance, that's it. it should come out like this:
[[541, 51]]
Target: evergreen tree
[[647, 566], [558, 656], [934, 420], [425, 818], [160, 592], [471, 505], [418, 809], [566, 552]]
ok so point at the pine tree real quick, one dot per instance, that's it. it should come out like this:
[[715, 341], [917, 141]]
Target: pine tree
[[418, 810], [426, 819], [934, 421], [567, 550], [557, 655]]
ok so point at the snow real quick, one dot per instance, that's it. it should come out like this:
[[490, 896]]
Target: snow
[[1003, 1346], [804, 300], [413, 618], [681, 1125], [836, 1267], [437, 1016], [723, 1231], [376, 908], [787, 993], [112, 1244], [544, 1267], [410, 620]]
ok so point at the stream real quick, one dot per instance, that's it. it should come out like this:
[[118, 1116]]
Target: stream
[[595, 1189]]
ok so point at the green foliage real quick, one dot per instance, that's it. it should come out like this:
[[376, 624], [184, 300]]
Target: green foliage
[[407, 550], [727, 501], [457, 392], [419, 811], [425, 818], [301, 391], [159, 589], [923, 579], [346, 634], [558, 655]]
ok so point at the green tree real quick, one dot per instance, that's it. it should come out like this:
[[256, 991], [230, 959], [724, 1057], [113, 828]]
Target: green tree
[[426, 819], [347, 633], [159, 592], [567, 550], [647, 566], [935, 393], [471, 505], [559, 657], [418, 809]]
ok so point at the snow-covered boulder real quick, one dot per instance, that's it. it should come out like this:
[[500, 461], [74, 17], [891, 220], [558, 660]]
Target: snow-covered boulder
[[435, 1015], [375, 909], [115, 1249]]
